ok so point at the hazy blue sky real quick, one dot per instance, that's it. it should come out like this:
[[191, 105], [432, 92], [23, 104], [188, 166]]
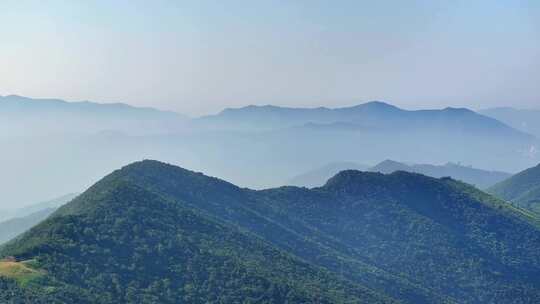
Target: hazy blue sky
[[200, 56]]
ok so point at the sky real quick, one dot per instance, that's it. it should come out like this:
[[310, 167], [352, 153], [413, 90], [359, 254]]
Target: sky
[[198, 57]]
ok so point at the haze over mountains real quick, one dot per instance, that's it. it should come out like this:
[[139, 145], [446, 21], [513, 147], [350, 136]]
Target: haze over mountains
[[375, 114], [152, 232], [259, 147]]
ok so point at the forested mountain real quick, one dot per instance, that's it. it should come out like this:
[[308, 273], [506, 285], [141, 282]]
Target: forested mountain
[[153, 232], [524, 120], [317, 177], [477, 177], [121, 242], [522, 189]]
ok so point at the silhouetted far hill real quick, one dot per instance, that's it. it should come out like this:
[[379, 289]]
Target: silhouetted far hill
[[37, 207], [477, 177], [15, 226], [19, 220], [375, 114]]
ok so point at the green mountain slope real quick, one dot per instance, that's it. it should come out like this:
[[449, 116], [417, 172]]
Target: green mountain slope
[[414, 238], [522, 189], [122, 243]]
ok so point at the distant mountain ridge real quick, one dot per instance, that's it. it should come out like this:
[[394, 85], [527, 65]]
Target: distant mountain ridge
[[56, 116], [32, 208], [375, 114], [18, 221], [477, 177], [15, 226], [372, 237]]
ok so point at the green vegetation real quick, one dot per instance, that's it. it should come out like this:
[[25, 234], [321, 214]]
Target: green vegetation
[[522, 189], [22, 272], [155, 233]]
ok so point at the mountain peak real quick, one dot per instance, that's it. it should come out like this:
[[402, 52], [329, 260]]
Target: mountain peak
[[375, 105], [389, 162], [378, 103], [461, 111]]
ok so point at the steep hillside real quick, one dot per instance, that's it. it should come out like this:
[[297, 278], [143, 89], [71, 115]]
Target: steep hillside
[[522, 189]]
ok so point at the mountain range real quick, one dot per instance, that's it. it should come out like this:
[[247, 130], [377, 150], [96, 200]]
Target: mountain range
[[61, 147], [153, 232], [374, 114]]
